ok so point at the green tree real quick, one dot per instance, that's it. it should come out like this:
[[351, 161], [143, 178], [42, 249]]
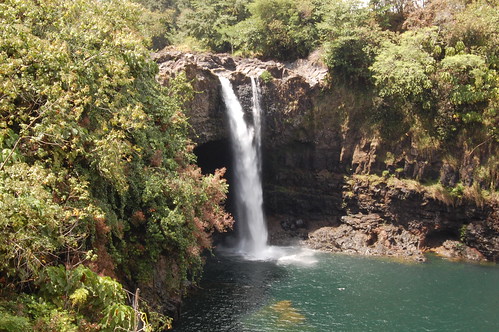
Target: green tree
[[391, 14], [351, 40], [402, 73], [468, 93], [402, 70], [95, 164], [476, 27], [208, 22], [280, 29]]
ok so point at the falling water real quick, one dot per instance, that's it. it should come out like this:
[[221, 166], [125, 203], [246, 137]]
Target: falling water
[[246, 141], [257, 120]]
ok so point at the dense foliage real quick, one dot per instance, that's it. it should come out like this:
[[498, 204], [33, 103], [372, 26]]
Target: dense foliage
[[96, 172], [429, 68], [440, 78]]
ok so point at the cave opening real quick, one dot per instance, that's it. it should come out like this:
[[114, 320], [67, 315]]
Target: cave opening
[[437, 237], [214, 155]]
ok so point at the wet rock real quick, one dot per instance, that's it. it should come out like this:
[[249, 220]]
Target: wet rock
[[367, 235], [292, 224], [484, 235], [458, 250]]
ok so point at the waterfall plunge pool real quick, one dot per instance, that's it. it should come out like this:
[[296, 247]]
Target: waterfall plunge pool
[[312, 291], [291, 289]]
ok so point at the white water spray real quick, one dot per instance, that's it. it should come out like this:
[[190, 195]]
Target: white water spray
[[246, 143]]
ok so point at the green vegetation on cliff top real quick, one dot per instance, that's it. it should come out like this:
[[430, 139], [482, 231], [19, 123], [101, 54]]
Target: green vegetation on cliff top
[[97, 176], [429, 69]]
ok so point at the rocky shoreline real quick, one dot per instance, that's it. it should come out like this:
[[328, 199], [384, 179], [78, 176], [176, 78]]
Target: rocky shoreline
[[393, 226]]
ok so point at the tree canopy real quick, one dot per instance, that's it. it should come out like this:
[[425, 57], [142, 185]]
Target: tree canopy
[[95, 164]]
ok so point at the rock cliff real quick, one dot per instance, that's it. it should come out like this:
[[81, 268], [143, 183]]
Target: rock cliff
[[328, 178]]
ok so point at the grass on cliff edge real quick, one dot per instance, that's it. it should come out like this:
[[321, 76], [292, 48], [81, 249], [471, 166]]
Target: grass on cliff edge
[[450, 196]]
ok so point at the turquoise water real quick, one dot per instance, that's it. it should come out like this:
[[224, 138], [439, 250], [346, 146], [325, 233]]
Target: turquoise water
[[343, 293]]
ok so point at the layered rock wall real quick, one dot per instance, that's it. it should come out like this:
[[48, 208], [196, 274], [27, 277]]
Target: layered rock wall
[[324, 167]]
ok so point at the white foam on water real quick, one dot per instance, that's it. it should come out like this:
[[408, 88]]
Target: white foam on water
[[298, 256]]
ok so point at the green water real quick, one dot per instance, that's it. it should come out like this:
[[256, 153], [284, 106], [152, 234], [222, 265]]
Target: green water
[[343, 293]]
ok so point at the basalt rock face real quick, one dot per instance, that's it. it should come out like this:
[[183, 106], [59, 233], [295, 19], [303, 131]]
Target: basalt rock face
[[411, 219], [206, 116], [285, 91], [319, 165], [484, 235], [367, 234]]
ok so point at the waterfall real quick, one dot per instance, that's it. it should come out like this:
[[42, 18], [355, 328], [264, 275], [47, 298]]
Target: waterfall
[[257, 121], [246, 145]]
